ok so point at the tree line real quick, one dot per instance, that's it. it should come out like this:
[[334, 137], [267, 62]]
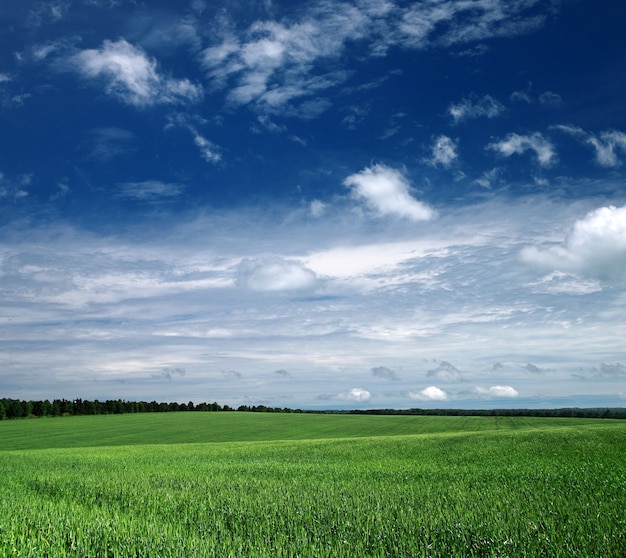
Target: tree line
[[15, 408], [575, 412]]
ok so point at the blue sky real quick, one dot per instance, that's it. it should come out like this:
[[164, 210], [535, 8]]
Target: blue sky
[[320, 205]]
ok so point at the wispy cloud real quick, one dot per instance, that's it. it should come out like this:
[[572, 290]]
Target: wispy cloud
[[272, 64], [549, 98], [516, 144], [474, 107], [209, 151], [444, 151], [387, 192], [149, 190], [110, 142], [596, 247], [130, 75], [607, 145], [43, 13]]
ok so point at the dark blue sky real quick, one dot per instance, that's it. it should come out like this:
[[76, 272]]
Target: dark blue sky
[[278, 201]]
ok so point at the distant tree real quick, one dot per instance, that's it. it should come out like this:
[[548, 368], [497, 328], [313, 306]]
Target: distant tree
[[3, 412], [27, 408]]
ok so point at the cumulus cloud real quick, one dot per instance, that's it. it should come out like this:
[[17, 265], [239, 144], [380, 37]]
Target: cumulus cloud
[[443, 151], [515, 144], [485, 107], [131, 76], [274, 274], [431, 393], [445, 371], [505, 392], [596, 247], [387, 192], [385, 373]]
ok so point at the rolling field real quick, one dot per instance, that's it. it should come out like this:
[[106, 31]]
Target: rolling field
[[239, 484]]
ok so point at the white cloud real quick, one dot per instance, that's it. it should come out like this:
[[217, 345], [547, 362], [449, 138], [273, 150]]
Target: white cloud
[[358, 394], [596, 247], [606, 147], [272, 64], [444, 151], [275, 274], [505, 392], [471, 108], [134, 301], [387, 192], [209, 151], [607, 144], [515, 144], [431, 393], [132, 76]]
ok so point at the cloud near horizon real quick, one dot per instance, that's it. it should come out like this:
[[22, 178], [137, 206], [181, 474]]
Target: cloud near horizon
[[431, 393]]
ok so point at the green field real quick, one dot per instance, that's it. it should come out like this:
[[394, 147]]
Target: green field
[[253, 484]]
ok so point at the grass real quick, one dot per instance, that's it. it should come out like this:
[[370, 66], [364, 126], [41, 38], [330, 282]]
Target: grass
[[177, 428], [313, 485]]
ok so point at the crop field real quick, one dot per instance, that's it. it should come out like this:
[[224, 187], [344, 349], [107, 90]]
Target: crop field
[[250, 484]]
